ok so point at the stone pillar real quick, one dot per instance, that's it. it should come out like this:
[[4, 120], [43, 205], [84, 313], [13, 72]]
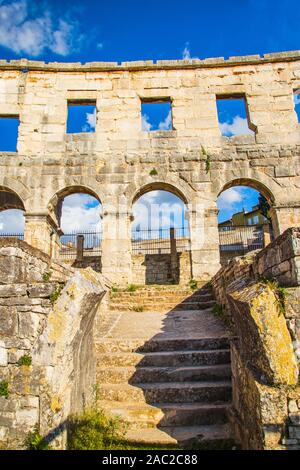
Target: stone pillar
[[284, 216], [79, 247], [266, 234], [116, 246], [204, 236], [41, 232], [174, 256]]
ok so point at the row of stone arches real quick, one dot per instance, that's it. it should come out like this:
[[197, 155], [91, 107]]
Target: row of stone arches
[[11, 201]]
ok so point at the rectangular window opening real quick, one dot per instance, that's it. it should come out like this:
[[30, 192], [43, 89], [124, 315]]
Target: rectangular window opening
[[9, 128], [233, 116], [297, 103], [156, 115], [82, 116]]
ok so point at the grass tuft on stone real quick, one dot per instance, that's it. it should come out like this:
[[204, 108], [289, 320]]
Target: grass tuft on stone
[[25, 360], [94, 430], [34, 441], [4, 391]]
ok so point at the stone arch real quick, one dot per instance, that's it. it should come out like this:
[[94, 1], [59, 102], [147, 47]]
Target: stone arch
[[168, 183], [160, 187], [251, 183], [266, 189], [13, 220], [16, 188], [55, 203], [10, 200], [160, 245], [263, 183]]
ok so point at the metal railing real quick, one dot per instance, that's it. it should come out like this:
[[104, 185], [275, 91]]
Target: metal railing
[[241, 239], [12, 235], [80, 244], [158, 241]]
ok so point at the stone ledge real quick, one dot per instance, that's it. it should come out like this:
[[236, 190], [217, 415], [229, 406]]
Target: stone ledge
[[61, 271], [25, 65]]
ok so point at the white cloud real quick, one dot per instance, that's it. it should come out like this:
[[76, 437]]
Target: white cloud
[[33, 36], [186, 54], [146, 126], [91, 119], [80, 212], [158, 209], [239, 126], [229, 198], [12, 221], [166, 125], [157, 215]]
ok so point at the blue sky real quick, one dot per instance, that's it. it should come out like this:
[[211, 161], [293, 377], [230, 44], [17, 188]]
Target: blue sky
[[122, 31], [236, 199], [102, 30]]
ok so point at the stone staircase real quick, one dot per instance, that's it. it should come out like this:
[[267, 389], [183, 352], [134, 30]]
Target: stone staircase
[[166, 371], [158, 298]]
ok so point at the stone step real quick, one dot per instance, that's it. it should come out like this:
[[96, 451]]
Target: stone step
[[143, 345], [129, 296], [213, 436], [138, 375], [167, 414], [175, 392], [161, 289], [165, 359], [194, 305], [158, 307]]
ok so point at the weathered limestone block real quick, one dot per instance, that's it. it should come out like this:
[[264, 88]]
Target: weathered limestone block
[[264, 339], [40, 290], [13, 290], [259, 412], [8, 321], [3, 354]]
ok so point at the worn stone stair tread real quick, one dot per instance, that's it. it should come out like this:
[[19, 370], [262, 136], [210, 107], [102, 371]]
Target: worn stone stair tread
[[211, 367], [135, 375], [172, 353], [164, 338], [125, 310], [114, 405], [168, 385], [179, 434], [167, 308], [160, 294], [184, 351], [166, 359], [147, 415]]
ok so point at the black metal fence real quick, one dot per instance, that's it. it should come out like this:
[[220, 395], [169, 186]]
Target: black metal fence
[[235, 240], [12, 235], [241, 239], [91, 244], [158, 241]]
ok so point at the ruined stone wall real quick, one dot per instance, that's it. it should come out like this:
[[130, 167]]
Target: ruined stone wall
[[93, 262], [115, 162], [263, 417], [46, 350], [265, 353], [151, 269], [158, 269]]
